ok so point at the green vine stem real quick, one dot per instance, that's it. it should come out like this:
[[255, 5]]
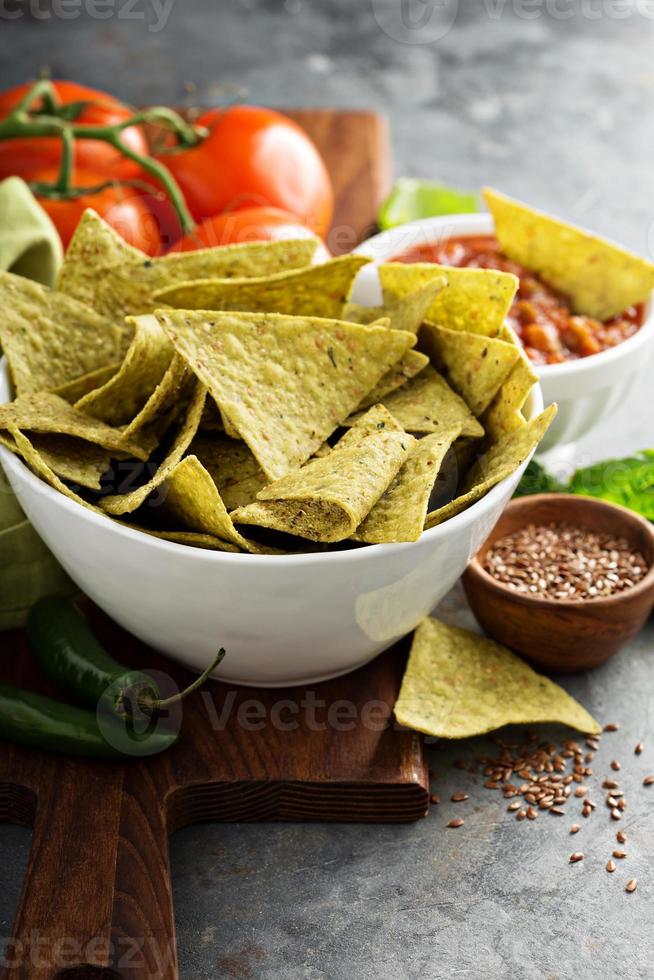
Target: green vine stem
[[20, 123]]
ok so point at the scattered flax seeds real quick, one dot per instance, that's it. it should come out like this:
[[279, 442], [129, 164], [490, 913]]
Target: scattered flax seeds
[[561, 561], [535, 776]]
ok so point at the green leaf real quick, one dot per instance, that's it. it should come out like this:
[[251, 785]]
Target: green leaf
[[411, 199], [536, 479], [628, 481]]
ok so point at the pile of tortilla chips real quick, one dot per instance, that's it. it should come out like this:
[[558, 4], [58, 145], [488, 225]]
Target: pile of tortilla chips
[[235, 399]]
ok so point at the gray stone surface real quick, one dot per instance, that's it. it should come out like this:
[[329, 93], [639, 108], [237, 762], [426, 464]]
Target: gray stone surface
[[550, 101]]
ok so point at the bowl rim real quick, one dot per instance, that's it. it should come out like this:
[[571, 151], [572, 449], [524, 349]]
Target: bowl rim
[[480, 222], [459, 522], [621, 514]]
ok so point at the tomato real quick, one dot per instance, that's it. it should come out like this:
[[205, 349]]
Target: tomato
[[20, 155], [127, 210], [253, 157], [249, 225]]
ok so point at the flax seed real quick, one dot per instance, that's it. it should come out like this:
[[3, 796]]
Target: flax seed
[[648, 780], [616, 815], [619, 854], [531, 813], [515, 805], [581, 790], [610, 866], [459, 797], [631, 885], [639, 749], [621, 837], [457, 822], [434, 800], [575, 828], [611, 726], [615, 765], [521, 814], [576, 856], [561, 561], [611, 784]]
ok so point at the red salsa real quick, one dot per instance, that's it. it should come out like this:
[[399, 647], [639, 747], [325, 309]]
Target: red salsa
[[550, 332]]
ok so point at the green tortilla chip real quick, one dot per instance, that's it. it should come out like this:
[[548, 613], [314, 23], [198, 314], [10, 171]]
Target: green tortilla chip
[[504, 412], [50, 339], [476, 300], [172, 392], [458, 684], [125, 394], [285, 383], [232, 467], [399, 514], [502, 458], [406, 368], [127, 503], [191, 497], [190, 538], [599, 278], [328, 497], [73, 390], [116, 279], [318, 290], [45, 412], [474, 365], [74, 460], [426, 403], [405, 312], [38, 465]]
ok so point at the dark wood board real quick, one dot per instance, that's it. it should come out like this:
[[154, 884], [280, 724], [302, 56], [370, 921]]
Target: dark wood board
[[97, 898]]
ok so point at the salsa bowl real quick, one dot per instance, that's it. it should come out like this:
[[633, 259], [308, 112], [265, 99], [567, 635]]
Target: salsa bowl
[[287, 620], [586, 390]]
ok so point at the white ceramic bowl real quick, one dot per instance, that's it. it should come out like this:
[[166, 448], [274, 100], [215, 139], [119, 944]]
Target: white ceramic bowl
[[283, 620], [585, 390]]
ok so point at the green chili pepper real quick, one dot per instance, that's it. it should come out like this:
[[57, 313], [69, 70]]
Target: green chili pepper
[[42, 723], [74, 660]]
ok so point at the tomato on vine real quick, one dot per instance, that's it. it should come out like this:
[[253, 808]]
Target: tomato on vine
[[253, 157], [86, 107]]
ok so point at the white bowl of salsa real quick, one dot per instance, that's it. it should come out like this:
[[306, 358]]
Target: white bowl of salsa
[[586, 366]]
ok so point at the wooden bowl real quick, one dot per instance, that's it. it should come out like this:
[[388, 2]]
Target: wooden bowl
[[560, 635]]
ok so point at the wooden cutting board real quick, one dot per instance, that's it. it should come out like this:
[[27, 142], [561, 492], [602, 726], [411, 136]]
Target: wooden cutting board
[[97, 899]]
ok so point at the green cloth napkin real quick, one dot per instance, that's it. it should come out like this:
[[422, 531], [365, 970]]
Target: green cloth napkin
[[29, 246], [29, 242]]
